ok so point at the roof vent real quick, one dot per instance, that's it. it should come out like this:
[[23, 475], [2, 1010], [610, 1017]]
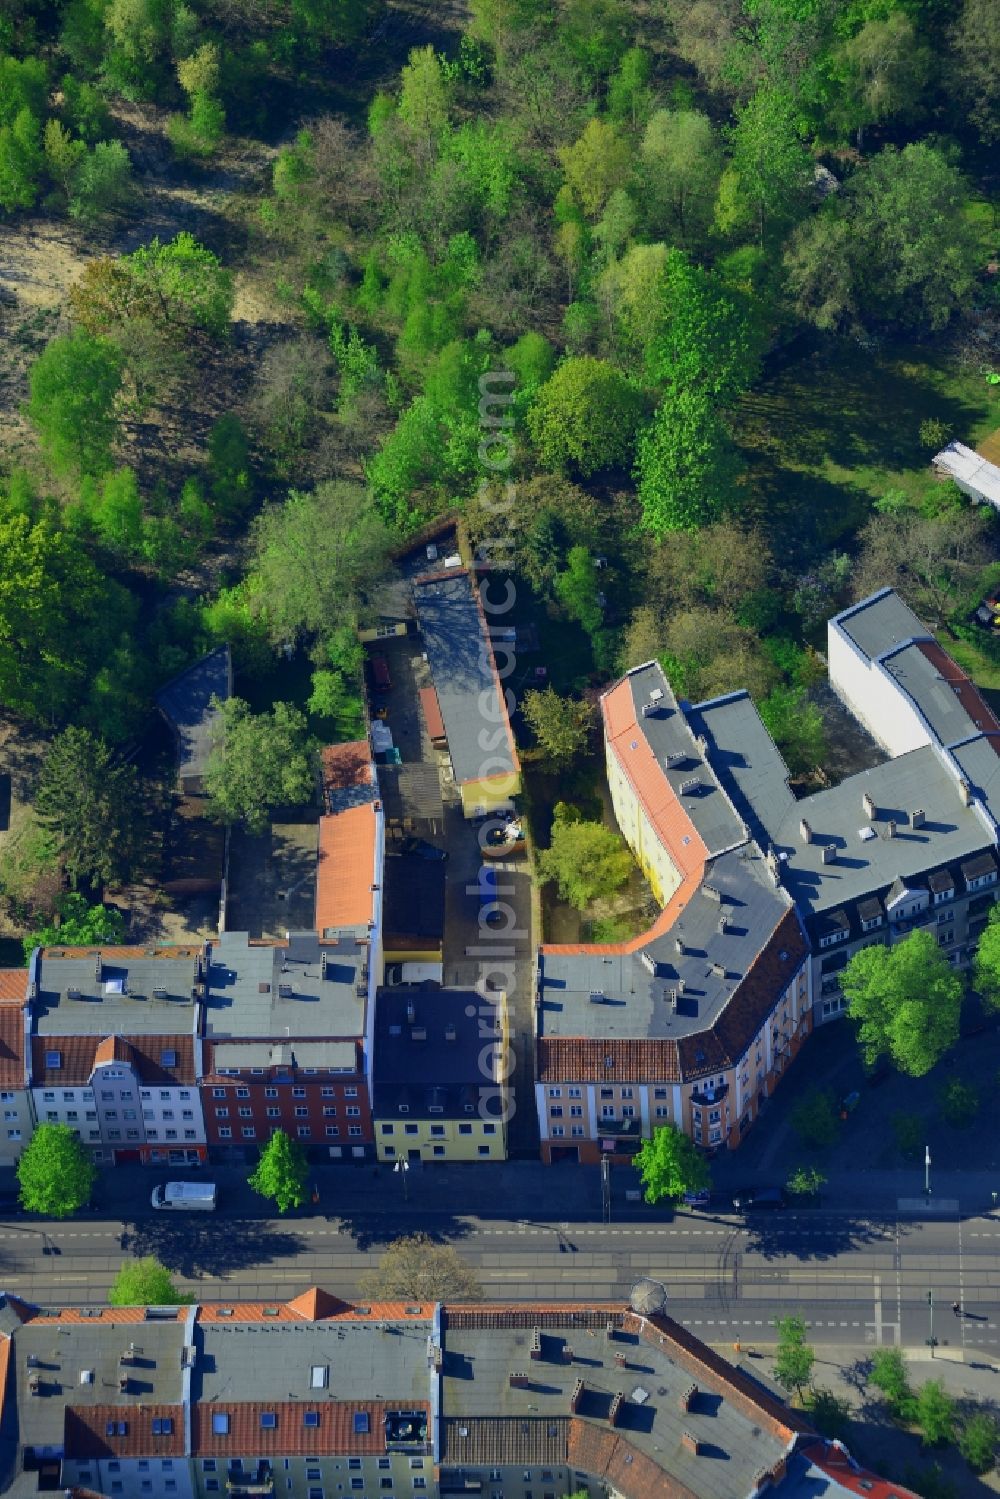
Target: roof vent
[[965, 792], [829, 853], [890, 829], [723, 924], [918, 818], [450, 1033], [675, 758], [159, 992], [648, 962], [679, 945], [86, 1376], [73, 994], [576, 1399], [97, 968], [615, 1413], [866, 833], [712, 893], [597, 996], [690, 1443], [656, 695], [285, 991], [868, 803], [691, 784], [411, 1011], [718, 970], [648, 710], [805, 831], [419, 1033]]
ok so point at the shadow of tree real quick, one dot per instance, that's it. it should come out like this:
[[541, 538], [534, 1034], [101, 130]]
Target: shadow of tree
[[193, 1249], [371, 1230], [841, 1235]]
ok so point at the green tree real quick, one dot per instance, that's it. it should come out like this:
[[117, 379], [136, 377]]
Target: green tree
[[883, 69], [415, 1268], [959, 1102], [766, 184], [93, 807], [977, 1441], [186, 284], [230, 473], [202, 130], [562, 726], [669, 1165], [55, 1173], [814, 1119], [796, 726], [686, 464], [905, 1000], [935, 1413], [59, 619], [30, 877], [909, 1131], [74, 384], [793, 1357], [975, 40], [702, 339], [585, 416], [629, 96], [986, 968], [577, 590], [586, 860], [63, 155], [316, 560], [681, 167], [259, 761], [889, 1376], [805, 1181], [78, 924], [145, 1282], [596, 164], [281, 1172], [424, 98], [830, 1415], [21, 161], [102, 183]]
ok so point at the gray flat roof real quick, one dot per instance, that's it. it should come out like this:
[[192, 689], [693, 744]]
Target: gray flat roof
[[880, 622], [186, 703], [245, 983], [63, 1350], [980, 764], [911, 782], [476, 1384], [634, 1002], [461, 663], [335, 1056], [937, 700], [668, 732], [122, 1001], [247, 1362], [746, 760]]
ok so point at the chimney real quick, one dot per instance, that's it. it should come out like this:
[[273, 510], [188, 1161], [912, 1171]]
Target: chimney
[[773, 866], [712, 893], [615, 1413], [687, 1399], [690, 1443], [918, 818], [679, 944], [450, 1033], [829, 853], [576, 1399], [609, 1328], [806, 831], [620, 1361], [322, 964], [98, 970], [965, 792], [868, 804], [411, 1011], [567, 1354], [517, 1380], [536, 1342], [890, 829]]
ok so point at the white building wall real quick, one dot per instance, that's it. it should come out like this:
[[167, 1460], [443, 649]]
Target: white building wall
[[873, 697], [17, 1124], [132, 1478], [73, 1105]]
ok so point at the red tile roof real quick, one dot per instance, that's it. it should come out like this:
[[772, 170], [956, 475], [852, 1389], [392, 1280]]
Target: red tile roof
[[81, 1054], [85, 1431], [610, 1456], [106, 1314], [346, 868], [576, 1059], [11, 1046], [13, 985], [121, 954], [327, 1307], [314, 1305], [835, 1461], [347, 765], [290, 1437]]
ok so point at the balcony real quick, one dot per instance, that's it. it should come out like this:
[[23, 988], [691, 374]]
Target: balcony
[[242, 1485], [910, 923], [703, 1098], [620, 1136]]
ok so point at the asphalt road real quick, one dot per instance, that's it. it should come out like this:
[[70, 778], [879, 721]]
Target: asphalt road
[[856, 1279]]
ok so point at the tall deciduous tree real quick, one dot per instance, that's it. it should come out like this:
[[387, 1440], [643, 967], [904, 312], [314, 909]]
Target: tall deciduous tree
[[768, 179], [595, 165], [905, 1000], [416, 1268], [259, 761], [316, 559], [586, 860], [74, 383], [585, 417], [281, 1172], [669, 1165], [986, 972], [78, 925], [563, 726], [686, 464], [55, 1173], [974, 76], [682, 163], [702, 338], [793, 1358], [883, 69], [92, 806], [145, 1282]]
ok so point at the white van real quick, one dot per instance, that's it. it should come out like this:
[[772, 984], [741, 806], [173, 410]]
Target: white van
[[414, 973], [186, 1197]]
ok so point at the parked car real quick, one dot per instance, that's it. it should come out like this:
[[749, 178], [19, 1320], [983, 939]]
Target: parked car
[[380, 673], [186, 1197], [759, 1199], [414, 973], [696, 1199]]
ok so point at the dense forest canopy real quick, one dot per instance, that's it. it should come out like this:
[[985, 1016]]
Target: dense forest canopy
[[303, 230]]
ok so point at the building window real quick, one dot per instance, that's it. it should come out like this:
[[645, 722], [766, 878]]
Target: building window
[[576, 1111], [222, 1113], [662, 1111], [558, 1131], [355, 1130], [437, 1130], [628, 1111], [298, 1092], [303, 1132], [216, 1093], [556, 1111], [332, 1131], [249, 1133], [302, 1113], [577, 1130], [242, 1092], [353, 1112], [244, 1113], [608, 1111], [270, 1092], [489, 1129], [327, 1092], [555, 1093], [465, 1129], [273, 1113], [574, 1092], [350, 1092]]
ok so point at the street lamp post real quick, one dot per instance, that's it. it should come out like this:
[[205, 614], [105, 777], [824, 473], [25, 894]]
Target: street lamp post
[[930, 1316], [404, 1168], [927, 1171]]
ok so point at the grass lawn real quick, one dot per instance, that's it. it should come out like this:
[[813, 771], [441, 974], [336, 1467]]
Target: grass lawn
[[833, 426]]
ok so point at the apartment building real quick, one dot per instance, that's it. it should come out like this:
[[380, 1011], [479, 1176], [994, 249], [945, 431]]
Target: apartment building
[[315, 1399], [113, 1049], [284, 1044], [440, 1075], [15, 1099]]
